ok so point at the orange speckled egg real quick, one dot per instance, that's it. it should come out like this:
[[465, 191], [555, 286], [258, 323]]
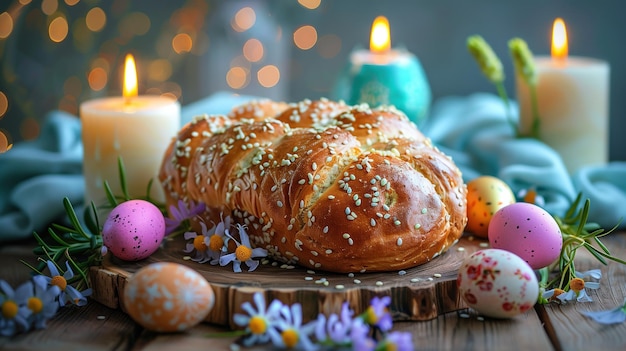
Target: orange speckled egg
[[485, 196], [168, 297]]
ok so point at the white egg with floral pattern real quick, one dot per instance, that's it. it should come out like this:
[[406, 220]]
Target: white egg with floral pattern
[[168, 297], [497, 283]]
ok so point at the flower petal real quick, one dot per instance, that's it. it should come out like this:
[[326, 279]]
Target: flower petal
[[252, 265], [53, 269], [616, 315]]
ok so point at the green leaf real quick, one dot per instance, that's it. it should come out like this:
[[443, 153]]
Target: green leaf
[[597, 254], [91, 219], [109, 194], [574, 206], [123, 184], [73, 218], [602, 246], [57, 238]]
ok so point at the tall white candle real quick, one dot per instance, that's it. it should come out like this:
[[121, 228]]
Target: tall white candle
[[573, 105], [136, 128]]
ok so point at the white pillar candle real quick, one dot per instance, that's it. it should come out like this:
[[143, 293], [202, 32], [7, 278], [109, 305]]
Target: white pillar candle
[[138, 129], [573, 107], [138, 132]]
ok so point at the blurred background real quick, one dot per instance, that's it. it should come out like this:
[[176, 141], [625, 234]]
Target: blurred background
[[55, 54]]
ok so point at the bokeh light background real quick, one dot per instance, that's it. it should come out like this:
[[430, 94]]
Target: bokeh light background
[[55, 54]]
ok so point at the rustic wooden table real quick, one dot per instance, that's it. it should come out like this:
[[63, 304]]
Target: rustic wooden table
[[552, 327]]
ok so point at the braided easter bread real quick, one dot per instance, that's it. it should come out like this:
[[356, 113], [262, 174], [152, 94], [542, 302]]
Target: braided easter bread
[[322, 184]]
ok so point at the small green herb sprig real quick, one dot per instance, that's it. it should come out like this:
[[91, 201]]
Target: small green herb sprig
[[577, 233], [81, 246], [114, 200]]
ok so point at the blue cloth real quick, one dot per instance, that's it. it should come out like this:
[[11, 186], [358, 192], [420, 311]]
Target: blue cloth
[[36, 175]]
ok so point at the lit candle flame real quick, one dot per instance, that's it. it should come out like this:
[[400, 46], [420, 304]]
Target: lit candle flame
[[380, 40], [559, 41], [129, 89]]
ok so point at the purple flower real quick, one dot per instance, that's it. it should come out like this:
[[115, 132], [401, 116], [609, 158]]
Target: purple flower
[[400, 341], [13, 316], [216, 239], [259, 322], [40, 300], [244, 253], [182, 212], [67, 293], [293, 335], [378, 315], [337, 328], [359, 334]]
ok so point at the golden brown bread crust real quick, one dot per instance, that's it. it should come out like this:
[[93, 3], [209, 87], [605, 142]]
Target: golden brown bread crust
[[351, 189]]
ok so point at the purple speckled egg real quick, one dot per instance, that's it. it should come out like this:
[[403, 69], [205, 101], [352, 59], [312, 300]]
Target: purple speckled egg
[[528, 231], [133, 230]]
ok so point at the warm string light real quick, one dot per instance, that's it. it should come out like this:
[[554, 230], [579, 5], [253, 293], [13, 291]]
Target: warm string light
[[559, 41], [189, 38]]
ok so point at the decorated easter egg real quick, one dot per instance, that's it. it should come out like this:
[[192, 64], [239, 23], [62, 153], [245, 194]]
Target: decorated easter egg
[[133, 230], [528, 231], [168, 297], [485, 196], [497, 283]]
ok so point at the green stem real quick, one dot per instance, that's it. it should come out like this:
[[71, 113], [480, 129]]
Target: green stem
[[502, 93], [534, 131], [544, 273]]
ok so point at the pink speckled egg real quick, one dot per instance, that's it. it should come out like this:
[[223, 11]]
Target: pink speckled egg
[[133, 230], [497, 283], [168, 297], [528, 231]]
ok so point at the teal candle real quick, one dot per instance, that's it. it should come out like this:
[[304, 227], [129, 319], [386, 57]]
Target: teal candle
[[394, 77], [385, 76]]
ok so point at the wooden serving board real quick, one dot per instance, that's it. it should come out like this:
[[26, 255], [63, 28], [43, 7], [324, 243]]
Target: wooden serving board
[[419, 293]]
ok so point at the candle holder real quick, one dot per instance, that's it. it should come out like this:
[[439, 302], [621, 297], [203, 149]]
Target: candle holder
[[394, 78]]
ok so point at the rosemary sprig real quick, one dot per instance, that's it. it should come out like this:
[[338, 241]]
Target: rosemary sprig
[[80, 244], [577, 233], [114, 200]]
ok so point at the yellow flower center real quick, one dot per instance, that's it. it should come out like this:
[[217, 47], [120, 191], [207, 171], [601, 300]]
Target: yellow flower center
[[34, 304], [198, 243], [290, 338], [556, 293], [257, 325], [391, 347], [577, 284], [243, 253], [370, 316], [9, 309], [59, 281], [216, 242]]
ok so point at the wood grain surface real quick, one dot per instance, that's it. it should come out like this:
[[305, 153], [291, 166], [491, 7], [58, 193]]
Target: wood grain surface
[[420, 293], [546, 327]]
